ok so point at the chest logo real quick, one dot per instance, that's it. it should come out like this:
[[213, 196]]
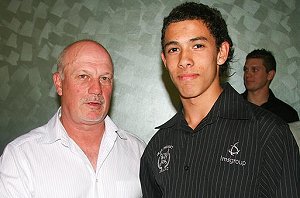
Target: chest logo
[[164, 158], [234, 150]]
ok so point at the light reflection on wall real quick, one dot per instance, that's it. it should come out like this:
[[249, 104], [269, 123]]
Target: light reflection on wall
[[33, 32]]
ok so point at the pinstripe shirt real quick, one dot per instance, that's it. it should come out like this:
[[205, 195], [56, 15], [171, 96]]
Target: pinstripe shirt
[[237, 151], [47, 163]]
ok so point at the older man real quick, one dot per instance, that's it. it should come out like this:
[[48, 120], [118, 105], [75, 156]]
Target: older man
[[80, 152]]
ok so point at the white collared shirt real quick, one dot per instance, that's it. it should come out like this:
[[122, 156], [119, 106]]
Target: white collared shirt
[[46, 162]]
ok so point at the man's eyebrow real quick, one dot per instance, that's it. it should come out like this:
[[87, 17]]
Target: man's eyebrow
[[202, 38], [171, 43], [253, 65]]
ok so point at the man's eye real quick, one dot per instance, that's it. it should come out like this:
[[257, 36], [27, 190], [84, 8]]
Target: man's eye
[[245, 69], [83, 76], [198, 46], [105, 80], [171, 50]]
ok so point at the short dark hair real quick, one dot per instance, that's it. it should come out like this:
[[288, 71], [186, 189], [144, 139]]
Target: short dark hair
[[211, 17], [267, 57]]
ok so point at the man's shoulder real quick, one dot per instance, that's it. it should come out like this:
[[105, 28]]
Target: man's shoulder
[[130, 137], [30, 137], [284, 105], [166, 134], [270, 127], [281, 108], [34, 136], [263, 115]]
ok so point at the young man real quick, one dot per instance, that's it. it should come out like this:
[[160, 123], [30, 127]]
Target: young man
[[218, 144], [259, 71], [80, 152]]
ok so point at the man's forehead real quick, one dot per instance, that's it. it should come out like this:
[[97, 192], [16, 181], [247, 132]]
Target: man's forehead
[[87, 55], [254, 62], [253, 65]]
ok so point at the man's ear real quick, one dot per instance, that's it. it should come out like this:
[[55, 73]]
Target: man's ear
[[57, 81], [271, 75], [163, 58], [223, 53]]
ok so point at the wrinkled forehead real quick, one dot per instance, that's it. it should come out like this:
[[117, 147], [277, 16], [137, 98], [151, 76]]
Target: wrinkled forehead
[[88, 53]]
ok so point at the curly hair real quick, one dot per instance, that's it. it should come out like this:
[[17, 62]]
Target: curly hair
[[211, 17]]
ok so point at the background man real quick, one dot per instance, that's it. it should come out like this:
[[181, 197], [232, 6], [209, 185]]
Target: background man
[[259, 71], [80, 152], [218, 144]]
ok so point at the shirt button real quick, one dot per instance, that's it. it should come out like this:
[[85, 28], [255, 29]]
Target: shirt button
[[96, 180], [186, 168]]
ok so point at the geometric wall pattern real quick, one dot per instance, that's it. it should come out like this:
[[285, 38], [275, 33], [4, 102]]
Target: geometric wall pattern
[[33, 32]]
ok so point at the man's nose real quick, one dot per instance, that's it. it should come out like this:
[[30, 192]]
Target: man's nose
[[95, 87], [186, 59]]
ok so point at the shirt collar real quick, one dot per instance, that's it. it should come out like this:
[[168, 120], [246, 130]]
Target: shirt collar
[[55, 130], [270, 98], [229, 105]]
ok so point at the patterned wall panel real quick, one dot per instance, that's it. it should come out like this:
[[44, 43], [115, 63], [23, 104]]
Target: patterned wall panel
[[33, 32]]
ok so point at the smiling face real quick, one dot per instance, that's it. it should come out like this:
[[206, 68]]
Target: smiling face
[[85, 85], [192, 58], [256, 76]]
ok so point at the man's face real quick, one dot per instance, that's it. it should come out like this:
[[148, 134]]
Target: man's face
[[192, 58], [84, 99], [256, 76]]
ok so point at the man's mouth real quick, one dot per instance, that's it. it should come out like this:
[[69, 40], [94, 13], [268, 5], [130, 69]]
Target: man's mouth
[[188, 76], [94, 103]]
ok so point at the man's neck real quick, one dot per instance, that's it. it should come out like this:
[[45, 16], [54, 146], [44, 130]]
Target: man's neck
[[87, 137], [258, 97], [195, 109]]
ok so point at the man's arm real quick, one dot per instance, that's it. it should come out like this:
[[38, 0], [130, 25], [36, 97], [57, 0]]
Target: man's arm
[[12, 177], [281, 170], [150, 188]]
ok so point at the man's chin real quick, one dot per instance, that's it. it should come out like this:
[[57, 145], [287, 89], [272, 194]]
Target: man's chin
[[251, 89], [93, 120]]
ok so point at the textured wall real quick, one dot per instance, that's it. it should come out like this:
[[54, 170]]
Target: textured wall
[[33, 32]]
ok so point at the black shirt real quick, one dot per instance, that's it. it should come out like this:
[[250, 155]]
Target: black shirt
[[238, 150], [278, 107]]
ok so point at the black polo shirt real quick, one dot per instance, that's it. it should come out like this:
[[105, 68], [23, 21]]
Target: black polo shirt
[[238, 150], [278, 107]]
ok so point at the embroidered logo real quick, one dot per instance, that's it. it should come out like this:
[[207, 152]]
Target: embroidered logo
[[233, 151], [164, 158]]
